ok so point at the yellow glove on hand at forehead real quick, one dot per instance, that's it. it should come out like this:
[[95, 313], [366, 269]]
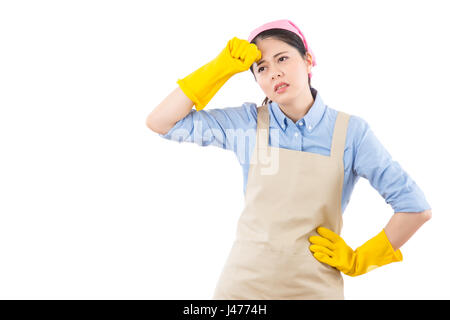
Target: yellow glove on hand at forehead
[[201, 85], [331, 249]]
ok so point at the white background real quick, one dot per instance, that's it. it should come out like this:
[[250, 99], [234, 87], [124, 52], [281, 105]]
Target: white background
[[94, 205]]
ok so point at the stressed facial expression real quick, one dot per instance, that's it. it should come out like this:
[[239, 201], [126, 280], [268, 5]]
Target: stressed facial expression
[[280, 62]]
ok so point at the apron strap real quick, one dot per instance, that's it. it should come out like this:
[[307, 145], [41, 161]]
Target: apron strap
[[262, 126], [339, 136]]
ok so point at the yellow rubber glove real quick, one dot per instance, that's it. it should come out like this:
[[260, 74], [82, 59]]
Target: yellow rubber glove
[[331, 249], [201, 85]]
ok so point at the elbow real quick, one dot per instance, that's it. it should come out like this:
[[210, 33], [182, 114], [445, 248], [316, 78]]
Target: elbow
[[426, 214], [156, 127], [151, 124]]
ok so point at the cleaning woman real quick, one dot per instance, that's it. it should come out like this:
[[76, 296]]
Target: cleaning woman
[[299, 171]]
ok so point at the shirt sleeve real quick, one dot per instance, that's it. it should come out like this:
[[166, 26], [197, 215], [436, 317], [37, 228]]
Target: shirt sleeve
[[213, 127], [373, 162]]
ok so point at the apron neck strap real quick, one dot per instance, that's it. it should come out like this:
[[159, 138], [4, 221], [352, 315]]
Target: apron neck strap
[[339, 134]]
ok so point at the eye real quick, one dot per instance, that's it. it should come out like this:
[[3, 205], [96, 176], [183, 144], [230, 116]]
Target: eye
[[259, 70]]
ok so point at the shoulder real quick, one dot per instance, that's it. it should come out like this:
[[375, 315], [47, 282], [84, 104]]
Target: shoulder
[[246, 111], [357, 127], [357, 124]]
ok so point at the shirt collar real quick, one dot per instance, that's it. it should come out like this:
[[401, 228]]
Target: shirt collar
[[311, 119]]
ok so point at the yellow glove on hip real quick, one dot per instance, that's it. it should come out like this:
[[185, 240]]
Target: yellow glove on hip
[[331, 249], [201, 85]]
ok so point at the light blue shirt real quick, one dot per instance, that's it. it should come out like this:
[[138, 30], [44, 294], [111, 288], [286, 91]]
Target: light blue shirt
[[234, 129]]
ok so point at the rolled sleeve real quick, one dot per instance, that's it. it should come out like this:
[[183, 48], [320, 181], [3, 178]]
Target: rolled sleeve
[[373, 162], [212, 127]]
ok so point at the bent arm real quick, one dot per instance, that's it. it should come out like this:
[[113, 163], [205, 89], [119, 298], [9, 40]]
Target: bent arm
[[173, 108], [403, 225]]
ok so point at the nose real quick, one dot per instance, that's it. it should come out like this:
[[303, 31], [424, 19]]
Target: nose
[[276, 73]]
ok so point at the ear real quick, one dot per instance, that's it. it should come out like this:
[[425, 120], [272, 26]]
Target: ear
[[309, 61]]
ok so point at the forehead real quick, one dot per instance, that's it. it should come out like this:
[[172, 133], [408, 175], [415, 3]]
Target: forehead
[[270, 46]]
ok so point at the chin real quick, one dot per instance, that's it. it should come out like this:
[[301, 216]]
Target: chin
[[281, 101]]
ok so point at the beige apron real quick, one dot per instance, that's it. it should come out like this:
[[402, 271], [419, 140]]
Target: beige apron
[[270, 258]]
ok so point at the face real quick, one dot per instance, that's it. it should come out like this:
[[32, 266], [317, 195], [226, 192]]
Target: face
[[288, 67]]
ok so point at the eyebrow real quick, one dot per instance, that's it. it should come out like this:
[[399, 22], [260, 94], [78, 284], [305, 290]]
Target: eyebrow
[[257, 64]]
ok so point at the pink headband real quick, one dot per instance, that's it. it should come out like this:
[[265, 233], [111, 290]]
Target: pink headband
[[286, 25]]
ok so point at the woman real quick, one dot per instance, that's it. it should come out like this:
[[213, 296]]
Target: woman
[[288, 243]]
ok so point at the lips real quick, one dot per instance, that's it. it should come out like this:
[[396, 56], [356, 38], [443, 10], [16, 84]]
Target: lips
[[279, 85]]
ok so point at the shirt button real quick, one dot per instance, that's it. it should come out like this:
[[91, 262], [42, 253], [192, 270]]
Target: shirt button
[[310, 127], [296, 134], [300, 124]]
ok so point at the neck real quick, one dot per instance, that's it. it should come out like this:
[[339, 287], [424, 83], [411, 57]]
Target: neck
[[299, 107]]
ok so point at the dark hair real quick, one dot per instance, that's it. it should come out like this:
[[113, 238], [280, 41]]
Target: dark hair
[[286, 36]]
